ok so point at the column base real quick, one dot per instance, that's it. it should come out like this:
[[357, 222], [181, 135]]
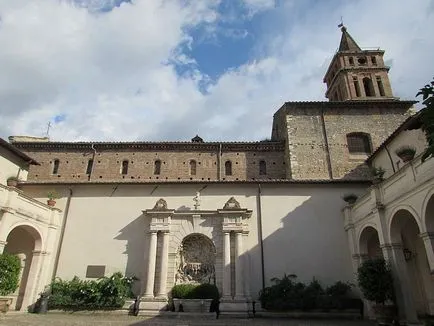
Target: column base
[[236, 305], [153, 304]]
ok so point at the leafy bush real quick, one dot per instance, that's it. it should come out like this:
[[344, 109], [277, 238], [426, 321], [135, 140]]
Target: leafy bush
[[193, 291], [375, 280], [288, 294], [10, 266], [105, 293]]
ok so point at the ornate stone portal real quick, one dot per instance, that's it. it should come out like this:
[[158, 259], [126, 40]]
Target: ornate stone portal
[[194, 246], [196, 260]]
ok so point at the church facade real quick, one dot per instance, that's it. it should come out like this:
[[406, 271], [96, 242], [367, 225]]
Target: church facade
[[234, 213]]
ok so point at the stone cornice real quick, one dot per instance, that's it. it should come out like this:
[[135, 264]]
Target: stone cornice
[[266, 146]]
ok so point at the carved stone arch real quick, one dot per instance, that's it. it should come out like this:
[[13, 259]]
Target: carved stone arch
[[410, 209], [361, 229], [33, 230], [428, 205], [196, 260], [369, 241], [185, 230]]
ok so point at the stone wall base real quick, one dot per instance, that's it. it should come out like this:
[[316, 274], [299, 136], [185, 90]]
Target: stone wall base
[[234, 306]]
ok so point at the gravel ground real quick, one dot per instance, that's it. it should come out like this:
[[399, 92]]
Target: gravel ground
[[67, 319]]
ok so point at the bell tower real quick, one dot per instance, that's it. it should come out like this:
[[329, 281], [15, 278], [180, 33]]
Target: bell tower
[[355, 74]]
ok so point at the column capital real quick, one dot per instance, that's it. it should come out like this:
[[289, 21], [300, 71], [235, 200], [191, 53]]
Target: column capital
[[395, 245], [427, 235]]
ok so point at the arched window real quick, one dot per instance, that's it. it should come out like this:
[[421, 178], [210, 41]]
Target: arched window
[[157, 167], [192, 167], [359, 143], [262, 168], [124, 167], [56, 166], [356, 86], [89, 166], [228, 168], [369, 87], [380, 86]]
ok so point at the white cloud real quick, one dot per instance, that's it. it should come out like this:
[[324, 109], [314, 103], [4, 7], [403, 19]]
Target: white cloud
[[113, 77]]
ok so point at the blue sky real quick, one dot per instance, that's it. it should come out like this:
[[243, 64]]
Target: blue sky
[[171, 69]]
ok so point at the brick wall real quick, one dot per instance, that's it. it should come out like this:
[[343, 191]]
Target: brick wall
[[175, 164], [308, 151]]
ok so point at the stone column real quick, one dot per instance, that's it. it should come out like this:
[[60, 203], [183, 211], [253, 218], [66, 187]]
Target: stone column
[[393, 252], [152, 255], [239, 291], [31, 293], [226, 265], [162, 290], [428, 241], [2, 246]]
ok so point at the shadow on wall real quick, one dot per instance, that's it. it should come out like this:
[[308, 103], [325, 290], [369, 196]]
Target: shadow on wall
[[360, 172], [134, 234], [309, 240]]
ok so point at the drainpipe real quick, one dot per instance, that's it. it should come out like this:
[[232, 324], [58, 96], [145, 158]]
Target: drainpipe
[[219, 159], [326, 144], [261, 242], [390, 157], [62, 234], [93, 162]]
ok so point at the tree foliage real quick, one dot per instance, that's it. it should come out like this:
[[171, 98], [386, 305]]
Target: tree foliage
[[10, 266], [105, 293], [376, 281], [427, 118]]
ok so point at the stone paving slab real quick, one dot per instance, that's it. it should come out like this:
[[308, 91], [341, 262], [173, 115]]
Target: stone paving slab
[[68, 319]]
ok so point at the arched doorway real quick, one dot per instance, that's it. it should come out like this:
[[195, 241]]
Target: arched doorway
[[369, 243], [22, 241], [404, 230], [196, 260]]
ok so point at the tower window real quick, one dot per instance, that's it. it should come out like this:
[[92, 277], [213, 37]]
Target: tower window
[[89, 167], [368, 86], [192, 167], [359, 143], [356, 86], [351, 61], [374, 60], [228, 168], [380, 86], [157, 167], [361, 61], [124, 167], [262, 168], [56, 166]]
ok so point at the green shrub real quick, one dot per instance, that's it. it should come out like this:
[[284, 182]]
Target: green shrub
[[10, 266], [375, 280], [105, 293], [288, 294], [195, 291]]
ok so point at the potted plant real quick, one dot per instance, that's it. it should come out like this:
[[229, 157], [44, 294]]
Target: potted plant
[[12, 181], [194, 297], [52, 196], [350, 198], [406, 153], [378, 174], [376, 283], [10, 266]]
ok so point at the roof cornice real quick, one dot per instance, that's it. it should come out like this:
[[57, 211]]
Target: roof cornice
[[155, 146]]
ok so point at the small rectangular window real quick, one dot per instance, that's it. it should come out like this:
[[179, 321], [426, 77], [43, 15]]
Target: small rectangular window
[[89, 167], [351, 61], [56, 166], [374, 60], [124, 167]]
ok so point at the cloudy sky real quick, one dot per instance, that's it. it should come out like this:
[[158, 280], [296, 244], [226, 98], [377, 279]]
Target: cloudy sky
[[171, 69]]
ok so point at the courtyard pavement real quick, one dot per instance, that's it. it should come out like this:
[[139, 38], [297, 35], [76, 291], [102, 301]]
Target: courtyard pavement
[[69, 319]]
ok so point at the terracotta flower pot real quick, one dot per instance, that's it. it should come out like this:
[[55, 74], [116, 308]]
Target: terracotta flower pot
[[51, 202], [385, 314], [406, 157], [12, 183]]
